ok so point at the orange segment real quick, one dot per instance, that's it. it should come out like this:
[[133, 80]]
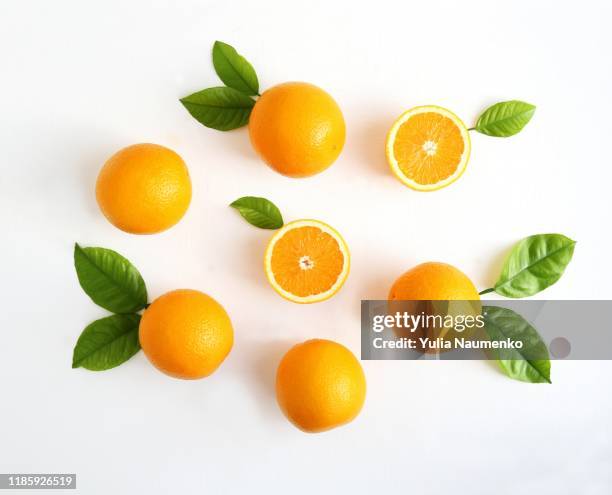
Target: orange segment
[[428, 148], [307, 261]]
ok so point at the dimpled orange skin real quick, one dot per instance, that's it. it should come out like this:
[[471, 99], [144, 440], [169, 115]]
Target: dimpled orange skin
[[186, 334], [320, 385], [144, 189], [433, 281], [297, 129]]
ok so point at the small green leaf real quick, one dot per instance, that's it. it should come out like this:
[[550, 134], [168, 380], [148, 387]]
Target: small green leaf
[[259, 212], [110, 280], [531, 363], [233, 69], [534, 264], [504, 119], [107, 343], [219, 108]]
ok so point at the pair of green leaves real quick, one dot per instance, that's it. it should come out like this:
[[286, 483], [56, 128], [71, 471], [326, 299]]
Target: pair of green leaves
[[534, 263], [505, 119], [226, 107], [113, 283]]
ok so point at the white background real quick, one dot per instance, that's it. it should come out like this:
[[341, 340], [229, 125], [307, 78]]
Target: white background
[[79, 80]]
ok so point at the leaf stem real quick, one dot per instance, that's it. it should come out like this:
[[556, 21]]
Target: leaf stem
[[472, 129], [486, 291]]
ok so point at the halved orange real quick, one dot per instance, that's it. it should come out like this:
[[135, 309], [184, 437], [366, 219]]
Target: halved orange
[[428, 148], [307, 261]]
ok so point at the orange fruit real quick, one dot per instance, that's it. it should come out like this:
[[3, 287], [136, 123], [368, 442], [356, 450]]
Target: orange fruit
[[435, 282], [144, 189], [186, 334], [428, 148], [307, 261], [320, 385], [297, 129]]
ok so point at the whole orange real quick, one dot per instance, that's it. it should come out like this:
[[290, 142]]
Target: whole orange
[[297, 129], [433, 281], [320, 385], [144, 189], [186, 334]]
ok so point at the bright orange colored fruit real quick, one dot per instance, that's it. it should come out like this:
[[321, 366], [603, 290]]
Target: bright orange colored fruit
[[428, 148], [144, 189], [320, 385], [186, 334], [307, 261], [433, 281], [297, 129]]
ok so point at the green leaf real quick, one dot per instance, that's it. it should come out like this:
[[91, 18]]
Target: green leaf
[[233, 69], [529, 364], [107, 343], [534, 264], [219, 108], [504, 119], [109, 279], [259, 212]]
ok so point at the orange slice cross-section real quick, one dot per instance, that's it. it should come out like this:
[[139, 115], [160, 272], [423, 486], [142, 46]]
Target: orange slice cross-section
[[428, 148], [307, 261]]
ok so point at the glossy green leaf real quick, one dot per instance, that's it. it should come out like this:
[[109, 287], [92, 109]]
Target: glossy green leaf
[[534, 264], [219, 108], [259, 212], [505, 118], [107, 343], [529, 364], [233, 69], [109, 279]]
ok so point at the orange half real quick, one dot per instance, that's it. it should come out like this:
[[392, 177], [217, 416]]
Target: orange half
[[428, 148], [307, 261]]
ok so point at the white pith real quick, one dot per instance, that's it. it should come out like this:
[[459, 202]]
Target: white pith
[[430, 147], [306, 263]]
